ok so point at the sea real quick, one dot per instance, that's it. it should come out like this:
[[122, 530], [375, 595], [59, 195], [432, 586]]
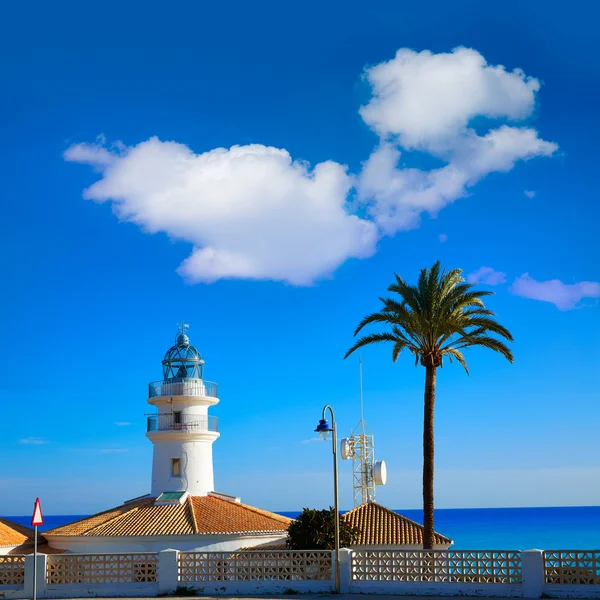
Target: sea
[[564, 528]]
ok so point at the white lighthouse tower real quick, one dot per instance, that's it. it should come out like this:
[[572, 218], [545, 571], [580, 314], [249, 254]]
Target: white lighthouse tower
[[182, 431]]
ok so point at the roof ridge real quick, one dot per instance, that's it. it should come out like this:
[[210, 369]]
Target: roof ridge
[[265, 513], [190, 506]]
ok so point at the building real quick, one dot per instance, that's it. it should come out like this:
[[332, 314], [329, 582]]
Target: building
[[383, 529], [18, 539], [182, 510], [13, 535]]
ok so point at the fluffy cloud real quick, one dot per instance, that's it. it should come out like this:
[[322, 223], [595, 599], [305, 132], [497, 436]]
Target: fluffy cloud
[[487, 276], [253, 212], [424, 101], [443, 237], [530, 193], [250, 211], [564, 296], [428, 99]]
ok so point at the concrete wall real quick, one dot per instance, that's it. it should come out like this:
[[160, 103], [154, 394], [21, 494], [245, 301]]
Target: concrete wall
[[167, 579]]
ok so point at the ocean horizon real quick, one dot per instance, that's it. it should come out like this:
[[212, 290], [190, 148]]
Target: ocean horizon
[[545, 528]]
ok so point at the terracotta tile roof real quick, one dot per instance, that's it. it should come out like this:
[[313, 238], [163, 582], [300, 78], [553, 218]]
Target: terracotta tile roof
[[82, 526], [198, 515], [12, 534], [21, 537], [214, 515], [380, 526]]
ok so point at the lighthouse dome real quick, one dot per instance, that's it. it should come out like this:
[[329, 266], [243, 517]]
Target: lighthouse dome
[[182, 360]]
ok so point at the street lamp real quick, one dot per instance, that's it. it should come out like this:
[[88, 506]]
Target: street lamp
[[324, 429]]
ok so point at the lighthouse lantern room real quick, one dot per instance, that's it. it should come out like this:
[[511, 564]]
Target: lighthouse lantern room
[[181, 430]]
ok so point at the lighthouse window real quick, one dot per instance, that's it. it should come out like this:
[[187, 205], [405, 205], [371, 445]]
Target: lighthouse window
[[177, 419], [176, 467]]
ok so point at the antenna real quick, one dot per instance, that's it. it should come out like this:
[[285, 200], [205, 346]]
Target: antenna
[[362, 411], [361, 449]]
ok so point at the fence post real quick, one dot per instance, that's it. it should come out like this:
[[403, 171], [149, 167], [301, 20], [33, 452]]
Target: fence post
[[532, 564], [167, 574], [41, 575], [345, 570]]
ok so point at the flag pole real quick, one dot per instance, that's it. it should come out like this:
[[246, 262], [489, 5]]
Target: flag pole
[[35, 536], [36, 519]]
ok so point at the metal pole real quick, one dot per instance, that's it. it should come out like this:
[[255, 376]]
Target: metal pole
[[335, 499], [362, 412], [35, 535], [337, 510]]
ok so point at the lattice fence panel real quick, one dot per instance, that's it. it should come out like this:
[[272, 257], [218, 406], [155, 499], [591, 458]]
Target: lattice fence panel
[[12, 570], [102, 568], [254, 565], [578, 567], [461, 566]]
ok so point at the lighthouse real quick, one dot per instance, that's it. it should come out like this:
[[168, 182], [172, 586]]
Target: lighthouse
[[183, 511], [181, 430]]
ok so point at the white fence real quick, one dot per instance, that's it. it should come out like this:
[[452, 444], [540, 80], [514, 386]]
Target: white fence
[[529, 574]]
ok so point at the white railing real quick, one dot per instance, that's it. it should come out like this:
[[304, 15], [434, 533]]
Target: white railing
[[254, 565], [180, 422], [93, 569], [12, 570], [572, 567], [443, 566], [183, 387]]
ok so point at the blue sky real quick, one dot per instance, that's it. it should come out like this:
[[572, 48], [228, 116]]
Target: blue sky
[[292, 240]]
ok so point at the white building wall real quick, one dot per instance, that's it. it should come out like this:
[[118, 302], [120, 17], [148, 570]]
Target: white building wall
[[199, 543]]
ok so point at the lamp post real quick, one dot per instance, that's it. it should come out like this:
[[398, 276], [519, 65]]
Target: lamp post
[[324, 429]]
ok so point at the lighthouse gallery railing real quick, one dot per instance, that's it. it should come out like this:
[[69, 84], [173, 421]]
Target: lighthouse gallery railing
[[179, 422], [183, 387]]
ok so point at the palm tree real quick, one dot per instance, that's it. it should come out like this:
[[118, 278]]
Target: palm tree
[[434, 319]]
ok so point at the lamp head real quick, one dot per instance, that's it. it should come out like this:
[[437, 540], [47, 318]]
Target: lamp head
[[324, 429]]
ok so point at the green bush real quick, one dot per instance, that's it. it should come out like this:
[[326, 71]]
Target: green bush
[[315, 530], [185, 590]]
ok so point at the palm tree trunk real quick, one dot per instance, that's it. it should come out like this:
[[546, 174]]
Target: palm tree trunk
[[428, 456]]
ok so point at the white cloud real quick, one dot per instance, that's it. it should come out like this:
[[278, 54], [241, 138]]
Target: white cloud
[[530, 193], [33, 441], [427, 99], [424, 101], [487, 276], [113, 450], [122, 423], [564, 296], [251, 211], [443, 237]]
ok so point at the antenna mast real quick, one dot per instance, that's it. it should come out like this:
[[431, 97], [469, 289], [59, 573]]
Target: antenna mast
[[366, 473], [362, 411]]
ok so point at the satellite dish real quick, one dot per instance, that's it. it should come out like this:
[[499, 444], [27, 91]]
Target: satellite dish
[[379, 472], [346, 449]]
